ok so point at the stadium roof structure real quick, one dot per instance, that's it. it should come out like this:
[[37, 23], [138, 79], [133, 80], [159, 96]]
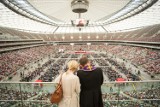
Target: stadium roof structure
[[55, 16]]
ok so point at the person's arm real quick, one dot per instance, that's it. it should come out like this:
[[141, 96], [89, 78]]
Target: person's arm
[[57, 79], [77, 86], [101, 76]]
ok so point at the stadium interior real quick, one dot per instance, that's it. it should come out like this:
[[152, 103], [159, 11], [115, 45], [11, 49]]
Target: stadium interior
[[39, 37]]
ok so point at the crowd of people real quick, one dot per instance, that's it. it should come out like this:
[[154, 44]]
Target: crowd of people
[[53, 71], [65, 55], [130, 104], [114, 96], [101, 60], [145, 94], [32, 75], [75, 56], [145, 57], [11, 61], [96, 55], [111, 74], [13, 94], [8, 103], [122, 68], [34, 104]]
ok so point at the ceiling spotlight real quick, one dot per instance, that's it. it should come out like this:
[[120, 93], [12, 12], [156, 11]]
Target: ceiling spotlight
[[72, 44], [88, 43]]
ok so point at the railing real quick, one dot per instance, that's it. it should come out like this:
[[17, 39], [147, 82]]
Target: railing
[[115, 94]]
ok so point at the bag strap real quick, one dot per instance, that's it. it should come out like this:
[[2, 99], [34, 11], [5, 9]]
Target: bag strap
[[60, 82]]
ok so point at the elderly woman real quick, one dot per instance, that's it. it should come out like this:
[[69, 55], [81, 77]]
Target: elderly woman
[[70, 86]]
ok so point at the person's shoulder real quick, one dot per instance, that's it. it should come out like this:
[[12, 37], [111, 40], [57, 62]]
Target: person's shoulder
[[79, 71], [75, 77], [98, 69]]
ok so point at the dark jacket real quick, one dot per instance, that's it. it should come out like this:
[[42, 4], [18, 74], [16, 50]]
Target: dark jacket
[[91, 81]]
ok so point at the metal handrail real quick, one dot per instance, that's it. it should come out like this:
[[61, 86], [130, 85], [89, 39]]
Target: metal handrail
[[146, 81]]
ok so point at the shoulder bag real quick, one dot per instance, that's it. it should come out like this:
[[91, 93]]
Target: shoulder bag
[[57, 95]]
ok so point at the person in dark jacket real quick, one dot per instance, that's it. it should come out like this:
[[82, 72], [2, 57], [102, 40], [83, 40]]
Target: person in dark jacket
[[91, 79]]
